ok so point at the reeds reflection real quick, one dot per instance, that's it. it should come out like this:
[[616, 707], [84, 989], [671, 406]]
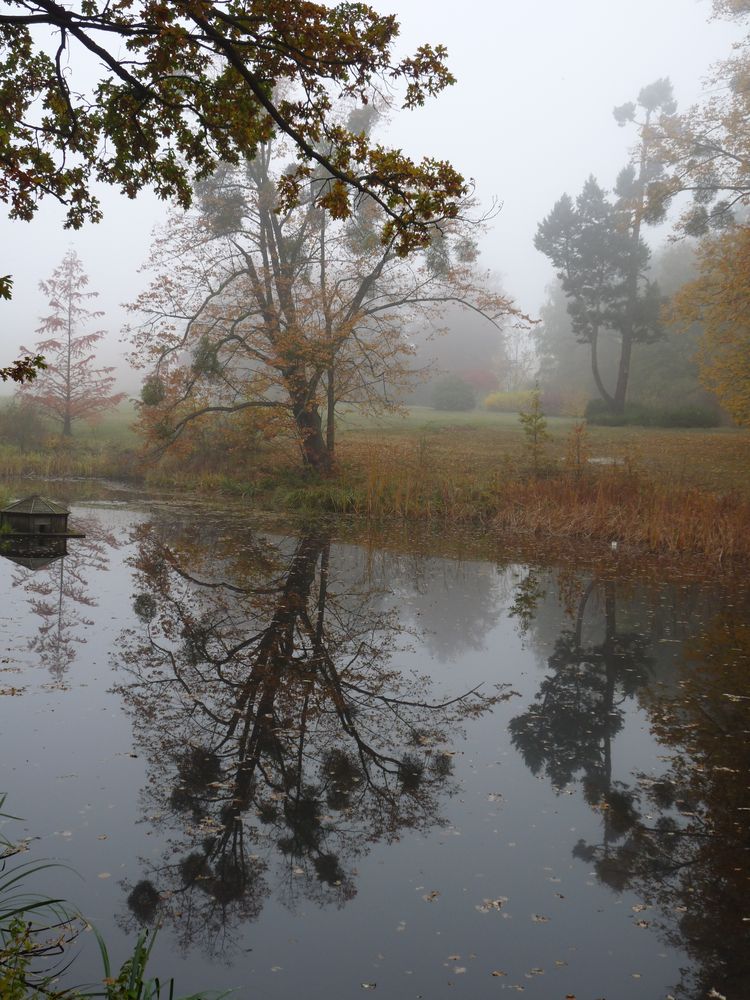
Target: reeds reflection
[[282, 738]]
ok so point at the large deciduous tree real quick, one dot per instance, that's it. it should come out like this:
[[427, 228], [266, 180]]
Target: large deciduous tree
[[706, 150], [288, 311], [72, 387], [707, 153]]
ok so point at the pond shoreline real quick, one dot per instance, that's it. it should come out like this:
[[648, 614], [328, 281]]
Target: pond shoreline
[[606, 540]]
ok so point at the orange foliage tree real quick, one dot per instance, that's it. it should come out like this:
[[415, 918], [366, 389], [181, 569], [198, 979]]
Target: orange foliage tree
[[71, 388], [719, 299], [288, 311], [706, 150]]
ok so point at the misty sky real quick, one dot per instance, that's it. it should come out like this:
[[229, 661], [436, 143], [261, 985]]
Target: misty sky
[[529, 118]]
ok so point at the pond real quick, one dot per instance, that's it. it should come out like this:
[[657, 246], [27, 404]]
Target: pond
[[327, 767]]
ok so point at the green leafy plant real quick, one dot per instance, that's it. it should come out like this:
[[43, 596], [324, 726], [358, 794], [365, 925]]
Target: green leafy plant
[[534, 424], [36, 932]]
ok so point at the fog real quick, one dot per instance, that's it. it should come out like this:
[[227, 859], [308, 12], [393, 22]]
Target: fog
[[529, 118]]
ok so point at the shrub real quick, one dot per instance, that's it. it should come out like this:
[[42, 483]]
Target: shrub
[[508, 402], [23, 426], [153, 391], [452, 393], [639, 415]]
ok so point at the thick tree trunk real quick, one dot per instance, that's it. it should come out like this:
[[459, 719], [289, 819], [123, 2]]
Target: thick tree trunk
[[315, 453], [606, 396], [67, 427], [309, 424]]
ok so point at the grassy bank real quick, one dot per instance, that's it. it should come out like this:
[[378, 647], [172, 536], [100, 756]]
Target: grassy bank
[[664, 491]]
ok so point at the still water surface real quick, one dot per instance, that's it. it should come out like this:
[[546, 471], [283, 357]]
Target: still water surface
[[327, 768]]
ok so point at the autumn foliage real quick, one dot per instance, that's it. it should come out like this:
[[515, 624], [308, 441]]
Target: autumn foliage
[[719, 299], [72, 387], [273, 317]]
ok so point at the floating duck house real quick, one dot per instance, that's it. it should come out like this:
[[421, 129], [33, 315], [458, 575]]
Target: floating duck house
[[35, 526]]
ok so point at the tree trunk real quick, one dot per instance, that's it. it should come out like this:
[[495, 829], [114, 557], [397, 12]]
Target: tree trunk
[[309, 424], [331, 413], [607, 397], [67, 428], [315, 453], [623, 373]]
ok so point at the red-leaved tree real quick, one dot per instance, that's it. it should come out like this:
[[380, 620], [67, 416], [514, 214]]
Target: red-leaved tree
[[72, 387]]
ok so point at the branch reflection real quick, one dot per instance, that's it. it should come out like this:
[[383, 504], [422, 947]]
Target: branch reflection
[[282, 738]]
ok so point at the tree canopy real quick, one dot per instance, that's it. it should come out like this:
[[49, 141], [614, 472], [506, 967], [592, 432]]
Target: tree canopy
[[706, 150], [273, 311], [719, 299], [181, 86]]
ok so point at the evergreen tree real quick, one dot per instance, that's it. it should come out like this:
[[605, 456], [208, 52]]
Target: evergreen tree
[[600, 256]]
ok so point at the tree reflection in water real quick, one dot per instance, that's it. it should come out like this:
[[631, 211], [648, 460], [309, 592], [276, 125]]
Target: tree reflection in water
[[679, 840], [282, 739], [59, 594]]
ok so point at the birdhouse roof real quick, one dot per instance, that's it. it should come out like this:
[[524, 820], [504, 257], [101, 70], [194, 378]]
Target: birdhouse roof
[[35, 504]]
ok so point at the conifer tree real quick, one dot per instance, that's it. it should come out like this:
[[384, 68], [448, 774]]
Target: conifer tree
[[72, 387]]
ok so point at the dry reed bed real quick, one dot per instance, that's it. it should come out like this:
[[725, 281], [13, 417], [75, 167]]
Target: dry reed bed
[[619, 503], [660, 497]]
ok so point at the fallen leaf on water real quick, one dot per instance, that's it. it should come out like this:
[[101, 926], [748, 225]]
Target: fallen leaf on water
[[103, 875], [539, 919], [498, 972], [369, 986], [491, 904], [430, 897]]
